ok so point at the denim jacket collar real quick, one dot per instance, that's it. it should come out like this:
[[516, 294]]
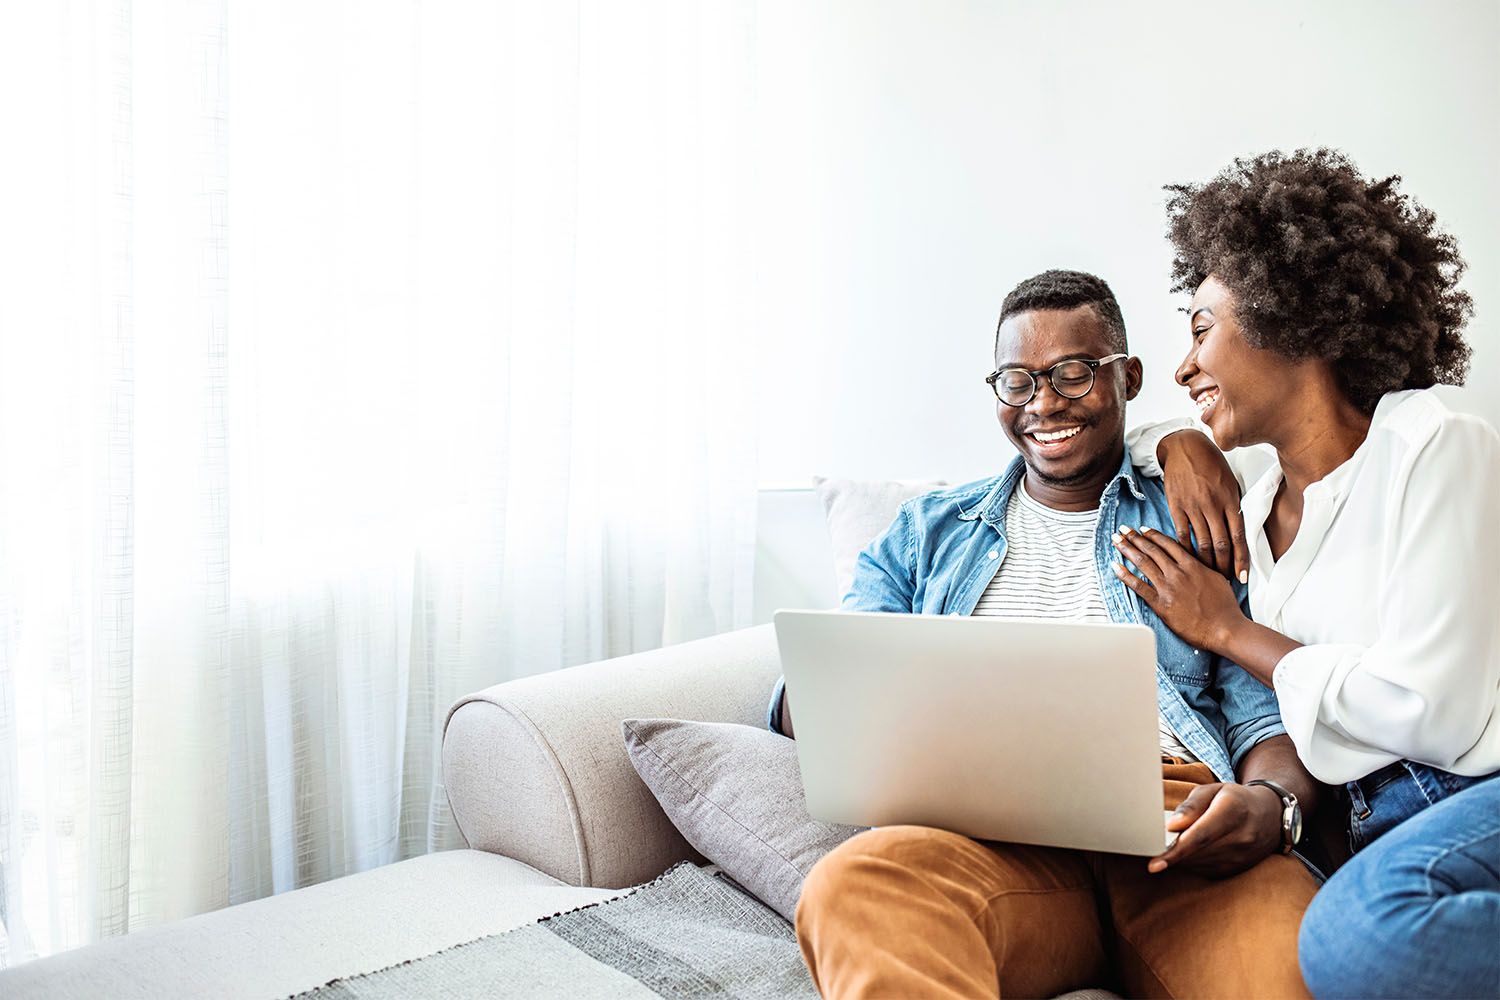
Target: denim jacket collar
[[991, 506]]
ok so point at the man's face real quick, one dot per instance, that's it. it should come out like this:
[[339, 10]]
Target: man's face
[[1040, 339]]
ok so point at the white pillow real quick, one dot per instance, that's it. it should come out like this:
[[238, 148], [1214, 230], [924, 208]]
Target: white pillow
[[858, 511]]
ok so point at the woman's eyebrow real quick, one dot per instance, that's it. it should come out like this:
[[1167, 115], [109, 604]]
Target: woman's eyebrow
[[1201, 309]]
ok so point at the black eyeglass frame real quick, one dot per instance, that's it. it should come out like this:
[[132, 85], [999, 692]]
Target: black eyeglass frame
[[1051, 373]]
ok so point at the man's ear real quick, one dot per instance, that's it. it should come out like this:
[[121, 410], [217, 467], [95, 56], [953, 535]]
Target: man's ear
[[1134, 377]]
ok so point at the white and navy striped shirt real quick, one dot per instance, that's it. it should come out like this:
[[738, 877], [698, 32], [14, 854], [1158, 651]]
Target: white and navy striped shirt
[[1049, 571]]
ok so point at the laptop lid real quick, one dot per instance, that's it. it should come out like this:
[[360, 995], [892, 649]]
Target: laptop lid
[[1033, 732]]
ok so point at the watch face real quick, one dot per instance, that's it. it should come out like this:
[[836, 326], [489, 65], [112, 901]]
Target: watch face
[[1295, 824]]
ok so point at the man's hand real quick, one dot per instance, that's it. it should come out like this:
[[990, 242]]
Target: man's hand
[[1204, 498], [1225, 829]]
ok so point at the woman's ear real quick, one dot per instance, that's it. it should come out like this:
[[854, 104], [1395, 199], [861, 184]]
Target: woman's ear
[[1134, 376]]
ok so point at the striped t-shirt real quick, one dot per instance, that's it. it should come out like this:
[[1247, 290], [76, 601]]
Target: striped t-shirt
[[1049, 571]]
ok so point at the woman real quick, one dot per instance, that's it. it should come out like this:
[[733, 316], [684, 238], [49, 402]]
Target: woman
[[1324, 308]]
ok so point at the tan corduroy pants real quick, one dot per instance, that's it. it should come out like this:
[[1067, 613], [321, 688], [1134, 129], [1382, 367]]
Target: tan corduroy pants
[[910, 911]]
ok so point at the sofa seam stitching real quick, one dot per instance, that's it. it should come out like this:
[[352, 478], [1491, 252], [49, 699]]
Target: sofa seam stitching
[[585, 870]]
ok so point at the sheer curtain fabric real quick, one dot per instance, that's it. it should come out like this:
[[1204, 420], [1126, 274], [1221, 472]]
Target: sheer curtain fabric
[[352, 357]]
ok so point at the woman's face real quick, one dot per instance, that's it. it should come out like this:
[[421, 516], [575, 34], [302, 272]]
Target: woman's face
[[1240, 390]]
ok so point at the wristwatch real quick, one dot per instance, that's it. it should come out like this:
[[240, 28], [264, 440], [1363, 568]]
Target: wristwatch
[[1291, 814]]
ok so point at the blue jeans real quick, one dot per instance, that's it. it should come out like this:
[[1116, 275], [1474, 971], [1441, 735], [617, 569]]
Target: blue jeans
[[1416, 912]]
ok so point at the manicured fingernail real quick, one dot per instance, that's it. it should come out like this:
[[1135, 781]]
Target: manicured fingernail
[[1145, 529], [1115, 538], [1244, 576], [1156, 866], [1124, 530]]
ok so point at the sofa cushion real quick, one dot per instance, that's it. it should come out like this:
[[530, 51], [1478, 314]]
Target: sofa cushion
[[735, 794], [299, 940], [858, 510]]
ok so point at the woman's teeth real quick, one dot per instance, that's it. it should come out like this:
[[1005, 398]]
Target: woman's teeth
[[1047, 438], [1206, 400]]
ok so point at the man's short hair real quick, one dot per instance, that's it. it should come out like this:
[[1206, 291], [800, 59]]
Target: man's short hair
[[1067, 290]]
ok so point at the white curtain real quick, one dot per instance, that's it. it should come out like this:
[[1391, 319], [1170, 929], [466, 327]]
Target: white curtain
[[353, 356]]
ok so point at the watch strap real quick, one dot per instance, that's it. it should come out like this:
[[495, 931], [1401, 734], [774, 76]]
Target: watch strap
[[1288, 804]]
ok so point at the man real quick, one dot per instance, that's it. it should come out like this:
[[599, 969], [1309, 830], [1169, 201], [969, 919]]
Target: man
[[913, 911]]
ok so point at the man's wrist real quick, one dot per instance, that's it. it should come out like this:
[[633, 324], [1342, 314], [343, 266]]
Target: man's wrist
[[1269, 822], [1270, 799], [1288, 817]]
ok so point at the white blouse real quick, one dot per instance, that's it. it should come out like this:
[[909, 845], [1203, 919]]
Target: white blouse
[[1392, 585]]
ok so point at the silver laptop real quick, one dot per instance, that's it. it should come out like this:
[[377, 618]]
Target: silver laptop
[[1028, 732]]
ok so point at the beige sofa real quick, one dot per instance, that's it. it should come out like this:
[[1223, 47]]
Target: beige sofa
[[553, 812]]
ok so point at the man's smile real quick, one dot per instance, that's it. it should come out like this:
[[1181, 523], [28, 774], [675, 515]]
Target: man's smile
[[1053, 442]]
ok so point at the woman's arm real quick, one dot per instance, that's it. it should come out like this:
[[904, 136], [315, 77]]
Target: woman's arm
[[1256, 648], [1197, 603], [1144, 442], [1203, 487], [1425, 688]]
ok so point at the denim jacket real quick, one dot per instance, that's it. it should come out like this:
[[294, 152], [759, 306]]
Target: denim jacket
[[943, 549]]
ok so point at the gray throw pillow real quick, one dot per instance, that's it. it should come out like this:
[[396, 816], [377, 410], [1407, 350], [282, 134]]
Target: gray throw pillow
[[735, 794]]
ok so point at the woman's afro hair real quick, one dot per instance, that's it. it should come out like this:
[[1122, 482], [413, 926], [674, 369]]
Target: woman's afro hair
[[1324, 263]]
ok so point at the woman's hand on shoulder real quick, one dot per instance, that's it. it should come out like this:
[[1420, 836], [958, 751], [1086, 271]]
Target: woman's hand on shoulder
[[1204, 498], [1190, 598]]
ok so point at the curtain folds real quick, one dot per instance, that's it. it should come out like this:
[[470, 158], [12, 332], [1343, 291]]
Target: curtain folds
[[353, 357]]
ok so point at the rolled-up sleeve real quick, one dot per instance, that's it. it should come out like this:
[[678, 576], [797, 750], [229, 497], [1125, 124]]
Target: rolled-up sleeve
[[1250, 711], [1425, 689]]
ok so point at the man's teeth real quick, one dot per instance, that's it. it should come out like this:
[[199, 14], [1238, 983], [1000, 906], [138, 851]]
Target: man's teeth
[[1056, 435], [1206, 400]]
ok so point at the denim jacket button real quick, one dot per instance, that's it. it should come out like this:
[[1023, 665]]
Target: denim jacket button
[[994, 554]]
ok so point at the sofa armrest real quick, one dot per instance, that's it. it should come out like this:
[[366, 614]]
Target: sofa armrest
[[536, 768]]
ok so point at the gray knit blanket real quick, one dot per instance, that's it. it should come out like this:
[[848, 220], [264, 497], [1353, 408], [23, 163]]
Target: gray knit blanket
[[688, 934]]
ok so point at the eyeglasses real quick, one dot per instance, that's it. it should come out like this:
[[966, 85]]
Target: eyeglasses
[[1072, 379]]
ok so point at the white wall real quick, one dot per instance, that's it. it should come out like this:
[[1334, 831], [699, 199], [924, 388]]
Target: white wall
[[935, 153]]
